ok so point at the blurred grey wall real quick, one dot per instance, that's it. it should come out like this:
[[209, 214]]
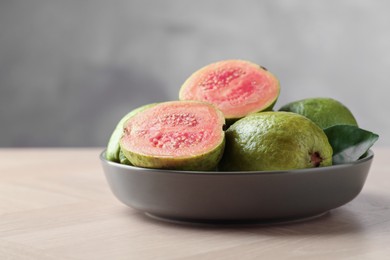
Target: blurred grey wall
[[69, 70]]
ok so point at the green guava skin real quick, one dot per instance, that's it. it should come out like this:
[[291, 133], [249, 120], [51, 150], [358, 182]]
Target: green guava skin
[[270, 141], [206, 160], [123, 159], [113, 147], [325, 112]]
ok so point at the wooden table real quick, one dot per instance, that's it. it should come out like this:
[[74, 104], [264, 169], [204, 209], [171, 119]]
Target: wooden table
[[56, 204]]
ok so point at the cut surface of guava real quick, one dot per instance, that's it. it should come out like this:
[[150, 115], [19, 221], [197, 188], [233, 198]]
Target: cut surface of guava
[[236, 87], [185, 135]]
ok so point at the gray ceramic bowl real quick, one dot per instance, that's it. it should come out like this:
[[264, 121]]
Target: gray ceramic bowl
[[236, 196]]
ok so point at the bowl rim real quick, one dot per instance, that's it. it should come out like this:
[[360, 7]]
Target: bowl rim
[[368, 157]]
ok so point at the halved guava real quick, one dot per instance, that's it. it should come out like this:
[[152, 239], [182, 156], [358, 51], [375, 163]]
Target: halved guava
[[236, 87], [182, 135]]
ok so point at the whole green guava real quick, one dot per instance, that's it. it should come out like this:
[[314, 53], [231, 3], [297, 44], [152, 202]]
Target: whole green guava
[[269, 141], [325, 112]]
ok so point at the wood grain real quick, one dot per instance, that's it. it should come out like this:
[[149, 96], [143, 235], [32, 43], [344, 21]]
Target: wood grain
[[56, 204]]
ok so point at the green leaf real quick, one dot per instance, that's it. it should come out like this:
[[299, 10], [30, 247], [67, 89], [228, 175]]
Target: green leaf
[[349, 142]]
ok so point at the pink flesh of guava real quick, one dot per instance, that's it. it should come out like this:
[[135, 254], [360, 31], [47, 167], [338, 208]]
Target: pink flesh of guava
[[236, 88], [174, 130]]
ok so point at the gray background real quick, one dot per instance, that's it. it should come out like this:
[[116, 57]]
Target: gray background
[[69, 70]]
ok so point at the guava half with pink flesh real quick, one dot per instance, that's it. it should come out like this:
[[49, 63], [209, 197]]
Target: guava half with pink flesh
[[236, 87], [181, 135]]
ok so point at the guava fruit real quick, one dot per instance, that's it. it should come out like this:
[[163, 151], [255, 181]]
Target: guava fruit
[[123, 159], [113, 149], [181, 135], [275, 141], [236, 87], [325, 112]]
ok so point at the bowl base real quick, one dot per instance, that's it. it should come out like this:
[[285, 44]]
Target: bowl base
[[238, 222]]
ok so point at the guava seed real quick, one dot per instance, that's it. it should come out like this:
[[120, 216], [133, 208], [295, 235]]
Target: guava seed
[[220, 78], [177, 140], [185, 119]]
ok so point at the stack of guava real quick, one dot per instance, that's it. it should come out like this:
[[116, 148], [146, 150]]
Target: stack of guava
[[224, 121]]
